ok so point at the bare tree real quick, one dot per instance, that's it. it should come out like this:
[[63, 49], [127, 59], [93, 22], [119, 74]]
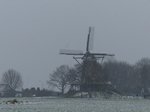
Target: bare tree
[[143, 68], [142, 62], [13, 79], [59, 78], [75, 74], [123, 76]]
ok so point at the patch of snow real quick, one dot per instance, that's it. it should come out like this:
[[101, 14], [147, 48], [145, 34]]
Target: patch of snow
[[76, 105]]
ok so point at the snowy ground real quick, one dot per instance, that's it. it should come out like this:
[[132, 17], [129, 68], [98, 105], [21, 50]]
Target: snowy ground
[[75, 105]]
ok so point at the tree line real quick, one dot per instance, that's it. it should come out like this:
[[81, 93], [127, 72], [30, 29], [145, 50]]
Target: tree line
[[12, 85], [126, 79]]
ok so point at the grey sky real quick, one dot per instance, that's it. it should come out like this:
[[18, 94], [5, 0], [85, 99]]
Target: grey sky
[[33, 31]]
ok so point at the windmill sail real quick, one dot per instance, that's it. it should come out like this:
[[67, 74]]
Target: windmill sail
[[71, 52], [89, 47], [91, 38]]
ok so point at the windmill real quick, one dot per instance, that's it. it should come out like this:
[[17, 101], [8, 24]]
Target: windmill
[[89, 47], [88, 81]]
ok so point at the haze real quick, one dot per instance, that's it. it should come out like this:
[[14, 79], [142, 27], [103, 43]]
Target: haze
[[33, 31]]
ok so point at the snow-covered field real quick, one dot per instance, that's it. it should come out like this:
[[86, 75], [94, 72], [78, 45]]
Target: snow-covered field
[[75, 105]]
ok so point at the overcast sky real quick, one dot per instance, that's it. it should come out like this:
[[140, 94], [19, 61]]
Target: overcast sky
[[33, 31]]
